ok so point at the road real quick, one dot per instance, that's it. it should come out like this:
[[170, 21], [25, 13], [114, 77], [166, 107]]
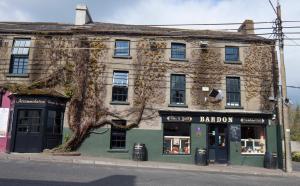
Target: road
[[25, 173]]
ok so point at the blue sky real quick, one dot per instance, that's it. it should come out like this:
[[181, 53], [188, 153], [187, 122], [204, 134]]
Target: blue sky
[[163, 12]]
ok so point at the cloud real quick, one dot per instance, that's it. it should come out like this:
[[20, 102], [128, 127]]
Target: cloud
[[215, 11], [11, 13]]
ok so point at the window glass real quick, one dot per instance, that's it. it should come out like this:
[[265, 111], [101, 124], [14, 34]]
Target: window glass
[[177, 89], [122, 48], [29, 121], [176, 138], [55, 122], [178, 51], [118, 136], [231, 53], [253, 140], [233, 94], [19, 57], [120, 86], [21, 47], [120, 78]]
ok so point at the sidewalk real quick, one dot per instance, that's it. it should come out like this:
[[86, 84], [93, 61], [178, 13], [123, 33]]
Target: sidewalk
[[97, 161]]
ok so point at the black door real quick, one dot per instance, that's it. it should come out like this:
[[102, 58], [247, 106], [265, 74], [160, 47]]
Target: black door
[[217, 143], [28, 131]]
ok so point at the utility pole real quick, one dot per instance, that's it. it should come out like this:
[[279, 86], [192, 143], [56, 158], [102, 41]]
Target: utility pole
[[284, 100]]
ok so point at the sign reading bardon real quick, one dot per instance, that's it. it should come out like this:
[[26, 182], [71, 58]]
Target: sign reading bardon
[[214, 119]]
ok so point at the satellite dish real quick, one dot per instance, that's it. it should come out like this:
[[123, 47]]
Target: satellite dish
[[215, 96]]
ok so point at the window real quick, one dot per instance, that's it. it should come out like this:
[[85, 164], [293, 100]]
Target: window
[[19, 56], [118, 136], [177, 138], [253, 140], [1, 97], [55, 122], [29, 121], [233, 93], [122, 48], [177, 89], [178, 51], [231, 53], [120, 86]]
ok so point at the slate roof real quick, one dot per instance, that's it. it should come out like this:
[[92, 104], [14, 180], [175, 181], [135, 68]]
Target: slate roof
[[121, 29]]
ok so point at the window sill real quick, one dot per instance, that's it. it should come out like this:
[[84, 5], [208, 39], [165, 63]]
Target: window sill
[[252, 154], [177, 154], [178, 59], [119, 103], [122, 57], [178, 105], [234, 107], [233, 62], [18, 75], [118, 150]]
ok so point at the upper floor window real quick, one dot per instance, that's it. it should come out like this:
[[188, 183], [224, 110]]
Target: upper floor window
[[178, 51], [120, 86], [177, 89], [233, 91], [231, 53], [122, 48], [19, 56]]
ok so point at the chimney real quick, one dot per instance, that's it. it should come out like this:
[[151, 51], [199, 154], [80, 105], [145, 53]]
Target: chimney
[[247, 27], [82, 15]]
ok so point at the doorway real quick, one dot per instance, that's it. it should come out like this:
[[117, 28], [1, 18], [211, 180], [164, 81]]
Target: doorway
[[217, 143], [28, 131]]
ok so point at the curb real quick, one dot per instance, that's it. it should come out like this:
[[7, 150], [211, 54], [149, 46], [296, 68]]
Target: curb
[[81, 160]]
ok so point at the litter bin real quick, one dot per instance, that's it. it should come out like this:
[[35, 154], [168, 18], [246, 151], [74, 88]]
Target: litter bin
[[201, 157], [270, 160], [139, 152], [274, 161]]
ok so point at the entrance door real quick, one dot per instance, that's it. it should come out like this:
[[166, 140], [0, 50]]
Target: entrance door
[[217, 143], [28, 131]]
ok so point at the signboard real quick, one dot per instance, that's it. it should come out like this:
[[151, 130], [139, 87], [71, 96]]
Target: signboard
[[179, 118], [4, 115], [235, 133], [213, 119], [252, 120], [30, 101]]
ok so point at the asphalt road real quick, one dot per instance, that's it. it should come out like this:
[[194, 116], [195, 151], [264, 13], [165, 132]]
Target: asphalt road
[[25, 173]]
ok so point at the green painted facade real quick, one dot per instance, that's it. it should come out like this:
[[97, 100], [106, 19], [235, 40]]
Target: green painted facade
[[236, 158], [98, 144]]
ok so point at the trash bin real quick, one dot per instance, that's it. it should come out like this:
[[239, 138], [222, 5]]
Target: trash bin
[[201, 157], [139, 152], [274, 161], [270, 160]]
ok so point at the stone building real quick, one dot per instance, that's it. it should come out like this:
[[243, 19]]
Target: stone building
[[210, 89]]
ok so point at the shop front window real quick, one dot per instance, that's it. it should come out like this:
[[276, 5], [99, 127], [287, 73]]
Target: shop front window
[[55, 122], [253, 140], [177, 138]]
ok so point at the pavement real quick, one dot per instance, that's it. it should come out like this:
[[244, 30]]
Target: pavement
[[100, 161]]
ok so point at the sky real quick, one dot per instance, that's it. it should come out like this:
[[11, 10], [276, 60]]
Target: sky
[[168, 12]]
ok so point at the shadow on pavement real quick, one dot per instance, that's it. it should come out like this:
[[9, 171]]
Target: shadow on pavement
[[296, 166], [123, 180]]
